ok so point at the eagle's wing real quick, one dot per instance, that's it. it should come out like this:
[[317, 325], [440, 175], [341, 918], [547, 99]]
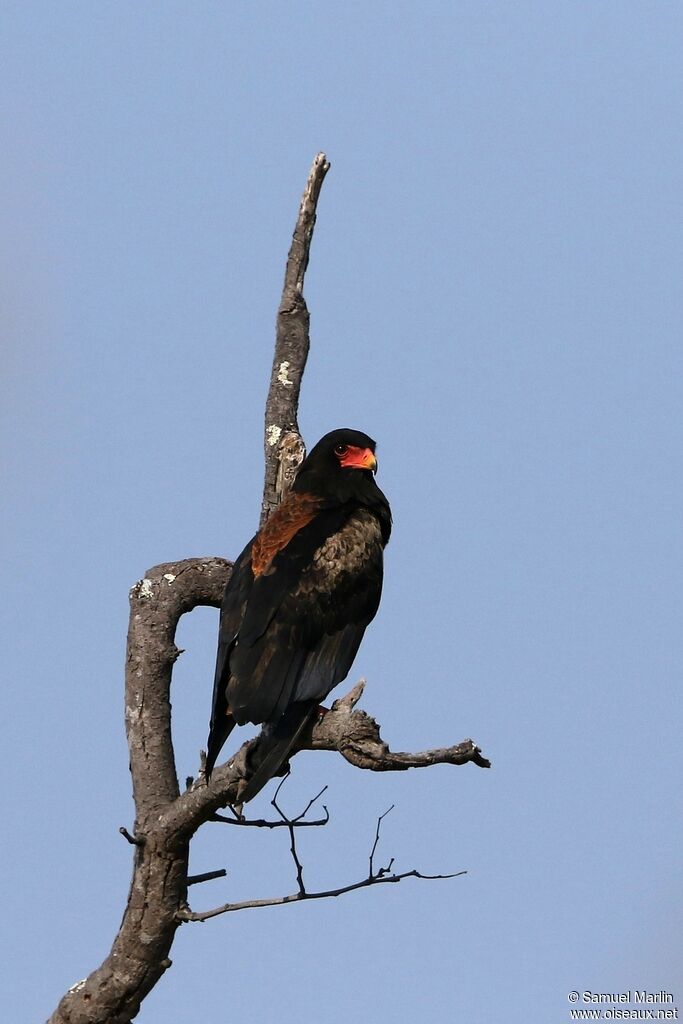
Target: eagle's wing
[[256, 560], [304, 619], [292, 620], [310, 642], [232, 612]]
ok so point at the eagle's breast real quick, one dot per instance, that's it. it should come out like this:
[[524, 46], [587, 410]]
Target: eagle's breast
[[346, 555]]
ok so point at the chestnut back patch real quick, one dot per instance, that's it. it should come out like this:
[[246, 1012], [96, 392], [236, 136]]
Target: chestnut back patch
[[295, 512]]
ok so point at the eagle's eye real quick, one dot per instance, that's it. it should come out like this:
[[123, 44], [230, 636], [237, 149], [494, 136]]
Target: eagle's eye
[[341, 450]]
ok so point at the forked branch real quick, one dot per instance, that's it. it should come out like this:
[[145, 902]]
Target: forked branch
[[378, 876]]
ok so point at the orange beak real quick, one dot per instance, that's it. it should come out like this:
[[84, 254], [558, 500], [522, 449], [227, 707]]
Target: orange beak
[[360, 458]]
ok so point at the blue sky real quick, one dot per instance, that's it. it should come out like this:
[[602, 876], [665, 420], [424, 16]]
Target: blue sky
[[495, 290]]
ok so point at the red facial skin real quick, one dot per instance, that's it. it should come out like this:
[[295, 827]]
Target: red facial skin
[[352, 457]]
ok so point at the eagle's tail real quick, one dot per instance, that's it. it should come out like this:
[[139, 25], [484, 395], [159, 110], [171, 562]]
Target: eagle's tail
[[275, 745], [218, 734]]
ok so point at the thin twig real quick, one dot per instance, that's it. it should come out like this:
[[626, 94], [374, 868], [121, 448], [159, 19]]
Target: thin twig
[[292, 837], [298, 897], [133, 840], [371, 873], [264, 823], [308, 806], [277, 793], [297, 862], [284, 821], [284, 817], [208, 876], [373, 878]]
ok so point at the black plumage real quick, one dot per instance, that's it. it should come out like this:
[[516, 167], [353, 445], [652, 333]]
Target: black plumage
[[298, 602]]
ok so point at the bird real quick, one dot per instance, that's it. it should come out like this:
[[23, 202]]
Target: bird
[[298, 601]]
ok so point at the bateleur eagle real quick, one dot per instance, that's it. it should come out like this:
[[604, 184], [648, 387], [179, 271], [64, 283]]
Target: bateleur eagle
[[298, 601]]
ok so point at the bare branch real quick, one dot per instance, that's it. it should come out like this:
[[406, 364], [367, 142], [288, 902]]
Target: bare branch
[[133, 840], [292, 837], [297, 863], [284, 821], [139, 956], [356, 736], [373, 877], [381, 818], [284, 449], [353, 734], [208, 876], [299, 819], [264, 823], [157, 602], [349, 701], [299, 897]]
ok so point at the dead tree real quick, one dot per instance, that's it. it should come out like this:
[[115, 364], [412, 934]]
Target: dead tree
[[166, 819]]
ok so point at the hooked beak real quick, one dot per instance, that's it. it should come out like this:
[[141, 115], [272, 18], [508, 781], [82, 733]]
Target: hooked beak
[[360, 458], [367, 460]]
